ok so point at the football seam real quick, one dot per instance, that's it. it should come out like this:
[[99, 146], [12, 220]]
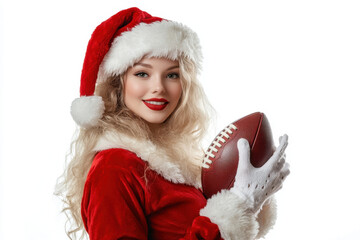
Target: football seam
[[212, 150]]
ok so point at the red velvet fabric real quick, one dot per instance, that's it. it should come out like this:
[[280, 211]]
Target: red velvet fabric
[[124, 199], [100, 43]]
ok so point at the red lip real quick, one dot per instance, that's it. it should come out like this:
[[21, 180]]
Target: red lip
[[156, 107], [156, 99]]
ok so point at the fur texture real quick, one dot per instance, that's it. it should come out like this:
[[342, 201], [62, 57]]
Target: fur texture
[[157, 158], [230, 212], [159, 39], [86, 111], [267, 217]]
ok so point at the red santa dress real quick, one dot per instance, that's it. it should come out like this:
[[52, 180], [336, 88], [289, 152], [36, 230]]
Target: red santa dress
[[134, 191]]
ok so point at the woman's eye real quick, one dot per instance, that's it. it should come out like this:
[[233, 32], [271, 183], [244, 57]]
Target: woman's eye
[[141, 74], [173, 75]]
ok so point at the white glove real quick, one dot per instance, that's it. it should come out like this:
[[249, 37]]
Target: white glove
[[258, 184]]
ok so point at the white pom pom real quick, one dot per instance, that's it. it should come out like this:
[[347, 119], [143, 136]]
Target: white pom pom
[[86, 111]]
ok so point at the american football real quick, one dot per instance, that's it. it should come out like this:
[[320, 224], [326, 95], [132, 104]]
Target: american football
[[221, 158]]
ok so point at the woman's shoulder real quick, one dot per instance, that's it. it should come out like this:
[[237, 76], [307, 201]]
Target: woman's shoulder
[[117, 159]]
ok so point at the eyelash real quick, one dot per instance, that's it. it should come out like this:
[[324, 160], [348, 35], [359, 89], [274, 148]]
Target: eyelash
[[170, 75], [173, 75], [141, 74]]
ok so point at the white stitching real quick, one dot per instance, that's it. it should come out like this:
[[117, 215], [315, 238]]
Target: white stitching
[[213, 148]]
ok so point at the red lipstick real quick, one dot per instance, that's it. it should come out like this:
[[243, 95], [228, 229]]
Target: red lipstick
[[156, 104]]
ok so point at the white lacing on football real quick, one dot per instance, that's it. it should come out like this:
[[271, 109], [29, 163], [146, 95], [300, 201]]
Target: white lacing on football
[[216, 144]]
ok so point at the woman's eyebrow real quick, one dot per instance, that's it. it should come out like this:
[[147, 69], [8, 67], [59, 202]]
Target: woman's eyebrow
[[149, 66], [173, 67], [143, 64]]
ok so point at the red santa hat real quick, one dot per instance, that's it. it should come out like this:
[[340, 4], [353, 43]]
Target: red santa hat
[[118, 43]]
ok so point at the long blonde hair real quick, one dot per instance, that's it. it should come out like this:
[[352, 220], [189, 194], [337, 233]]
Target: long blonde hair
[[187, 124]]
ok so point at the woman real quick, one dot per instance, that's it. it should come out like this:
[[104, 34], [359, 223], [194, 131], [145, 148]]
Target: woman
[[135, 171]]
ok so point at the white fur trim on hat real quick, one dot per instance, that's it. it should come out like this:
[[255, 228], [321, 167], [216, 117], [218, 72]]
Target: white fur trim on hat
[[87, 110], [158, 39]]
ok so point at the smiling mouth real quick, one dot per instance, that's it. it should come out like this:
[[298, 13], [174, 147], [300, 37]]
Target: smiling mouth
[[156, 104]]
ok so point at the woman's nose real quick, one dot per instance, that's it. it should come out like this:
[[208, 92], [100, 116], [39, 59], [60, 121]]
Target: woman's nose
[[157, 85]]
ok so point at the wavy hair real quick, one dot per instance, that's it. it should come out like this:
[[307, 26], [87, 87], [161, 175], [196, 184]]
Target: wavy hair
[[187, 124]]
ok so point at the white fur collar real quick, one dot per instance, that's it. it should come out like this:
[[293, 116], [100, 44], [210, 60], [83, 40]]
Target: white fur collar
[[156, 157]]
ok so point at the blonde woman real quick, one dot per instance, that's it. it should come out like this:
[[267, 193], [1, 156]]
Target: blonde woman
[[136, 162]]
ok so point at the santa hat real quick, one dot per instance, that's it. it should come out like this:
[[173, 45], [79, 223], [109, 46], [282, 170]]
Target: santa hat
[[118, 43]]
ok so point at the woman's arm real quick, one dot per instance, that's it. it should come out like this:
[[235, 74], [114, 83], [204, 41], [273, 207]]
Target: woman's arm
[[248, 211], [112, 205]]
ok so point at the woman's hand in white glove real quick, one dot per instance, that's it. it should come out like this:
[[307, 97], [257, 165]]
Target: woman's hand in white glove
[[258, 184]]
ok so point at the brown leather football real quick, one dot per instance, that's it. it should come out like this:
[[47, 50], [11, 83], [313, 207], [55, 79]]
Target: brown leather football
[[221, 158]]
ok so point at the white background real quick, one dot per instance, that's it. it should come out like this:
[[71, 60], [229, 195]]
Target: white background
[[297, 61]]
